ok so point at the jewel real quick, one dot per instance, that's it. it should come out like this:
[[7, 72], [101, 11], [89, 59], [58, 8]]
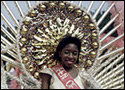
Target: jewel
[[25, 60], [92, 26], [27, 21], [79, 12], [52, 5], [23, 50], [95, 44], [70, 8], [23, 40], [93, 54], [89, 62], [33, 13], [43, 66], [31, 68], [36, 75], [94, 35], [24, 31], [42, 7], [86, 18], [61, 5]]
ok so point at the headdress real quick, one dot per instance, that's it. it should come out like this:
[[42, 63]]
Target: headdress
[[46, 24]]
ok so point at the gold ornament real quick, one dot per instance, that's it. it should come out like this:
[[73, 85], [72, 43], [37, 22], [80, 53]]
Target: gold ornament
[[27, 21], [25, 60], [31, 68], [70, 8], [92, 26], [79, 12], [33, 13], [44, 67], [89, 62], [23, 50], [93, 54], [23, 40], [24, 31], [86, 18], [61, 5], [36, 75], [42, 7], [52, 5], [94, 35], [95, 44]]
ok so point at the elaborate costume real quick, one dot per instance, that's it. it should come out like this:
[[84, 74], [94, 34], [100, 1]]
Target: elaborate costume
[[39, 33]]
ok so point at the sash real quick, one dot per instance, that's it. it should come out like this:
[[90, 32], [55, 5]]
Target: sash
[[65, 77]]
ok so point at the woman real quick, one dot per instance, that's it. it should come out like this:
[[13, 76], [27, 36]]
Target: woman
[[65, 75]]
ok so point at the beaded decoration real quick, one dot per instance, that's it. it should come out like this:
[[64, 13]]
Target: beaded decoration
[[45, 25]]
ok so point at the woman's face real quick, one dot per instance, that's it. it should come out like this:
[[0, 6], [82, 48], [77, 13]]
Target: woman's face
[[69, 55]]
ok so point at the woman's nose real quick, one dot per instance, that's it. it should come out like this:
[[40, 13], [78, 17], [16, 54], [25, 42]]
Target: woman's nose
[[70, 55]]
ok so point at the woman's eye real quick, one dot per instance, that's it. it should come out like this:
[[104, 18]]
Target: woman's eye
[[74, 53], [66, 52]]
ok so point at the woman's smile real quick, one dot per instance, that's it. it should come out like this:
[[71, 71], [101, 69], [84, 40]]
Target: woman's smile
[[69, 55]]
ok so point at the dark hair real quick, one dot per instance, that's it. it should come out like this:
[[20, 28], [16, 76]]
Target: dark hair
[[67, 40]]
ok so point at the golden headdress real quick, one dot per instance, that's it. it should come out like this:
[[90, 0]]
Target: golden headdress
[[44, 26]]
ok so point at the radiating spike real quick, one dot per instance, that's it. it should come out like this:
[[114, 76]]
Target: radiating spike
[[90, 6], [114, 80], [98, 10], [109, 23], [17, 79], [110, 74], [114, 63], [114, 84], [9, 52], [111, 32], [19, 9], [80, 3], [8, 34], [103, 65], [104, 15], [28, 4], [5, 41], [108, 44], [10, 13], [11, 61], [8, 24], [111, 53]]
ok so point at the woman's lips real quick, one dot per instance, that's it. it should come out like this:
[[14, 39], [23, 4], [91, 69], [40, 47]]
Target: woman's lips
[[69, 61]]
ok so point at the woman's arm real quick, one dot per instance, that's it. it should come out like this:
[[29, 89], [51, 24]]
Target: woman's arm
[[45, 80]]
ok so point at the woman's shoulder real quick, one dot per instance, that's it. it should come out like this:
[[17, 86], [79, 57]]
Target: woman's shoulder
[[46, 71]]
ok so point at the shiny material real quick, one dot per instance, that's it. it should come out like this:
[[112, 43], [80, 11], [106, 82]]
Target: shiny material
[[27, 21], [23, 50], [70, 8], [93, 54], [86, 18], [89, 62], [79, 12], [42, 7], [95, 44], [33, 13], [94, 35], [25, 60], [23, 40], [36, 75], [61, 5], [92, 26], [24, 31], [52, 5], [31, 68]]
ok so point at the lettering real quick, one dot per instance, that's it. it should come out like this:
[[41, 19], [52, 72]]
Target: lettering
[[70, 84]]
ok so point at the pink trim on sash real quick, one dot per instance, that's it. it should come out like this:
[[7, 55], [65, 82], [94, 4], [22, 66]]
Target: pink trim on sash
[[65, 77]]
